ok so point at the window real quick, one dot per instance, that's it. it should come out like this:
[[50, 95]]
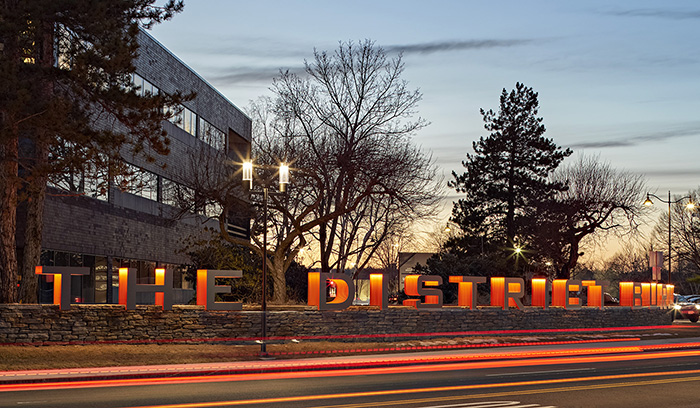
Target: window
[[138, 181], [189, 122], [211, 135], [96, 186], [143, 87], [211, 210], [177, 195], [185, 120], [88, 177]]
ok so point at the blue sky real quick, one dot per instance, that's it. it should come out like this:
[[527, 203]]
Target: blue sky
[[616, 79]]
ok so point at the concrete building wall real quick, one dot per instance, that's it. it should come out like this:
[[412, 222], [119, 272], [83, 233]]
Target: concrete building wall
[[88, 226]]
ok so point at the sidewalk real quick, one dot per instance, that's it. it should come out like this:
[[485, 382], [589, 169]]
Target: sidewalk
[[346, 362]]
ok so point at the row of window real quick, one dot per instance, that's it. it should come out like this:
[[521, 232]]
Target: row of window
[[149, 185], [185, 118], [133, 180]]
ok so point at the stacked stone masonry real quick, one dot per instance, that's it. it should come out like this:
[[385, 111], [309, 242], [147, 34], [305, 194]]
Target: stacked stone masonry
[[46, 324]]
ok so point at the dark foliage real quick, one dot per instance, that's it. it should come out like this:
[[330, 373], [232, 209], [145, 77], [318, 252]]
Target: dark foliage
[[508, 173], [66, 96]]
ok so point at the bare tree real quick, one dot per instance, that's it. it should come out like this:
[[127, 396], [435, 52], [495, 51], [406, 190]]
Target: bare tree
[[599, 200], [685, 236], [630, 263], [345, 130], [387, 253]]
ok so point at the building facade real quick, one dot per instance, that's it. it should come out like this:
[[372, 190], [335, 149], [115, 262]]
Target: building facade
[[142, 224]]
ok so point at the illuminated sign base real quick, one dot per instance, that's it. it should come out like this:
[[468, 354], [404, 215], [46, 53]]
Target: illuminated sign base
[[422, 289]]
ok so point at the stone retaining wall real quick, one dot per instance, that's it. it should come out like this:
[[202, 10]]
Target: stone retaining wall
[[95, 323]]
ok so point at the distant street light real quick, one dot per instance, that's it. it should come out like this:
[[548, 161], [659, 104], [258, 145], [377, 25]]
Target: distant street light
[[248, 175], [690, 205]]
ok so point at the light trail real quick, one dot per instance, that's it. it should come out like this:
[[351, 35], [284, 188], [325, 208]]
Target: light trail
[[450, 347], [435, 367], [284, 365], [239, 368], [279, 400]]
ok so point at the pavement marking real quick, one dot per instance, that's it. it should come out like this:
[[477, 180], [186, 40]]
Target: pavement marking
[[402, 392], [573, 370], [491, 404]]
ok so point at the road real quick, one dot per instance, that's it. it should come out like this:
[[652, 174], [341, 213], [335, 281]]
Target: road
[[595, 376]]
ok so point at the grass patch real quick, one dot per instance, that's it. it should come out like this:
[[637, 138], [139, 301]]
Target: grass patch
[[104, 355]]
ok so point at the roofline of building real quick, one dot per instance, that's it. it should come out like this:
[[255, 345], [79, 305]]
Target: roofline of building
[[194, 72]]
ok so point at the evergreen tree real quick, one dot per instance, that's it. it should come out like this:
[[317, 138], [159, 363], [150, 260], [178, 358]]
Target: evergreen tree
[[508, 171], [67, 104]]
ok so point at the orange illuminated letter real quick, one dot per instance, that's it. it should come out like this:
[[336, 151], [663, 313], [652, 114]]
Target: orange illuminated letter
[[467, 294], [163, 288], [378, 288], [207, 289], [646, 294], [631, 294], [61, 281], [317, 284], [664, 295], [594, 293], [669, 289], [507, 292], [561, 293], [540, 293], [416, 285]]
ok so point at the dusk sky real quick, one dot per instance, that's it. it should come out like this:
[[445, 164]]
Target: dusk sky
[[615, 79]]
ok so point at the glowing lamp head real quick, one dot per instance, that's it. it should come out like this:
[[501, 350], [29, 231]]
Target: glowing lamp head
[[284, 176], [248, 172], [518, 250], [648, 202], [690, 205]]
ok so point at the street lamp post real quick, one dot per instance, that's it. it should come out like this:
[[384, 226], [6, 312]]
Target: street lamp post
[[398, 272], [690, 206], [248, 175]]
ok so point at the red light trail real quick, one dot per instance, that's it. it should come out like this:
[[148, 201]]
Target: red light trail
[[430, 364]]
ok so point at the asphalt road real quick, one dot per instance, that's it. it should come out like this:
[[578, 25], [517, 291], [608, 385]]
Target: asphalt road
[[664, 378]]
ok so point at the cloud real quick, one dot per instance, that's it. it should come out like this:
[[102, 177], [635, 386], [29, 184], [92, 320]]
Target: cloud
[[677, 173], [266, 48], [666, 14], [271, 51], [244, 75], [637, 140], [447, 46]]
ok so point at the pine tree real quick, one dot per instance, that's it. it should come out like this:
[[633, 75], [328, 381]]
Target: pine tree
[[508, 171], [66, 65]]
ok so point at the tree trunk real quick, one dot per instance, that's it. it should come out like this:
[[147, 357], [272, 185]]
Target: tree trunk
[[36, 179], [33, 229], [276, 271], [570, 264], [324, 247], [8, 220]]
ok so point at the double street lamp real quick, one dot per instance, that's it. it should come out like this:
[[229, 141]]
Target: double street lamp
[[264, 189], [690, 205]]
